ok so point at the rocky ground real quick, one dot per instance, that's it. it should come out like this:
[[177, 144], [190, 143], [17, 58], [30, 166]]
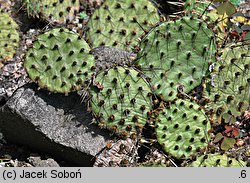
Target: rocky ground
[[44, 129]]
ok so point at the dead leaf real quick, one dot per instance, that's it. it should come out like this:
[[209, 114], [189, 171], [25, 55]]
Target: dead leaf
[[228, 129], [226, 8], [236, 132], [218, 137]]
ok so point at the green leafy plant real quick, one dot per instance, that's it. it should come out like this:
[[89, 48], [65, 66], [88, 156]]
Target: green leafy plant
[[34, 8]]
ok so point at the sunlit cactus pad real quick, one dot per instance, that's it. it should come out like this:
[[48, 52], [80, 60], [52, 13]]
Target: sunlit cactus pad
[[53, 10], [229, 90], [175, 56], [60, 61], [9, 37], [121, 100], [217, 160], [120, 23], [182, 129]]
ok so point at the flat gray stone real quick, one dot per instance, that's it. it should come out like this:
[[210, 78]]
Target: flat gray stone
[[52, 123]]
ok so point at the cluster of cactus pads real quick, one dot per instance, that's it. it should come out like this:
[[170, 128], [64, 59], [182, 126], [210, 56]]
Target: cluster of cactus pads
[[173, 59], [9, 37]]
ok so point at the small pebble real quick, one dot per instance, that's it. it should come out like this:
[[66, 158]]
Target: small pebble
[[240, 143]]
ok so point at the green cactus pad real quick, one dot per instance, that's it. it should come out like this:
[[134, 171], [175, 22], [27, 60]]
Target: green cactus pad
[[53, 10], [175, 56], [9, 37], [229, 89], [60, 61], [120, 23], [121, 100], [182, 129], [217, 160]]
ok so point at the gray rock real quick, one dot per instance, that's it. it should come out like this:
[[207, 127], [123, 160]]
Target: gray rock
[[38, 162], [108, 57], [52, 123]]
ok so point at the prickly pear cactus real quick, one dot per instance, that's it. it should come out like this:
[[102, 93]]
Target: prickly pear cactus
[[217, 160], [60, 61], [9, 37], [120, 23], [53, 10], [229, 88], [121, 100], [182, 129], [175, 56]]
